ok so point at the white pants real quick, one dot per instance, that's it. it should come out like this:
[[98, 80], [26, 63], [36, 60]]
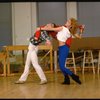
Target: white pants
[[32, 58]]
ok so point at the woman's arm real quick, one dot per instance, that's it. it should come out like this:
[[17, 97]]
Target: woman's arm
[[57, 29], [79, 35]]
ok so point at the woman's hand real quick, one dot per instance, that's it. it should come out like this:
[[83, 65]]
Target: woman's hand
[[81, 27]]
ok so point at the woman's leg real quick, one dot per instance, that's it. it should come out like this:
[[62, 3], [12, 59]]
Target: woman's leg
[[63, 54]]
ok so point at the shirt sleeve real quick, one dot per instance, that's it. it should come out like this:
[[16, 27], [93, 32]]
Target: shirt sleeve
[[45, 35], [38, 33]]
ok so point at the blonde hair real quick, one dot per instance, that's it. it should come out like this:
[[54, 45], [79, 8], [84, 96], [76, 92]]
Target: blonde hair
[[74, 26]]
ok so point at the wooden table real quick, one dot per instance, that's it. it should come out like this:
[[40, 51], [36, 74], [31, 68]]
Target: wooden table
[[3, 59], [23, 48]]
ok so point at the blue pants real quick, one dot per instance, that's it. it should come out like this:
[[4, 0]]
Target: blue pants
[[63, 54]]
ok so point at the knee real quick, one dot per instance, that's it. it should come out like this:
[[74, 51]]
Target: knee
[[37, 67], [62, 68]]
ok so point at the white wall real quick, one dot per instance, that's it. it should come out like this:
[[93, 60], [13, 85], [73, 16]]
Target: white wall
[[34, 16], [22, 23], [72, 10]]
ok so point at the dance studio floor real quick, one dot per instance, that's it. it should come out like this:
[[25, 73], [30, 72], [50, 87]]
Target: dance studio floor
[[90, 87]]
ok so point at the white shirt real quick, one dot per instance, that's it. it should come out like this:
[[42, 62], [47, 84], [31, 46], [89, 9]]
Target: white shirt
[[64, 34]]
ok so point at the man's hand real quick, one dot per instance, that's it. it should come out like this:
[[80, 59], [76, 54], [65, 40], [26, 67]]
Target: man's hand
[[35, 38], [48, 42]]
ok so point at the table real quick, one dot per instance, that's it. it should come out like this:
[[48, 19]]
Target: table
[[23, 48], [3, 59]]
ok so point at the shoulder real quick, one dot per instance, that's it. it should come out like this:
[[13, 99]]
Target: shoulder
[[60, 27]]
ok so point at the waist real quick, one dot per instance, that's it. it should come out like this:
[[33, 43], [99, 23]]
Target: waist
[[63, 43]]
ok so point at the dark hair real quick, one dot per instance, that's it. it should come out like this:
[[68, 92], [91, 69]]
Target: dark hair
[[54, 24]]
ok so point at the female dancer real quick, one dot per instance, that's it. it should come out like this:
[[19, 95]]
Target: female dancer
[[64, 35]]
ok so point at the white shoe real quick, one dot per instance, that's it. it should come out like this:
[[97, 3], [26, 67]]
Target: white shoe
[[43, 82], [19, 82]]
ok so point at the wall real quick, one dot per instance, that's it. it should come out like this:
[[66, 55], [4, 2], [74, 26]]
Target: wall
[[5, 24], [89, 14], [21, 21], [51, 12], [71, 10], [24, 22]]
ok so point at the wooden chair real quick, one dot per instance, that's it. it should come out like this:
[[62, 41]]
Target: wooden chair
[[88, 59], [71, 61]]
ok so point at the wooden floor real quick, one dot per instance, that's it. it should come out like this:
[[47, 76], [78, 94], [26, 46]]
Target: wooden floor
[[90, 87]]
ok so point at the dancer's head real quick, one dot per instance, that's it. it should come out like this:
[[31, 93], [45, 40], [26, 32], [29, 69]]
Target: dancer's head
[[73, 25], [51, 25]]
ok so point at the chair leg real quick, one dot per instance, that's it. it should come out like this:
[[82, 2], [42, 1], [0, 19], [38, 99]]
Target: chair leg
[[74, 62], [99, 62], [92, 62], [71, 61], [83, 62]]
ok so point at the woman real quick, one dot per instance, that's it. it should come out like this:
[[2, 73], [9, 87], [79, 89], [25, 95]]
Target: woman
[[35, 40], [64, 36]]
